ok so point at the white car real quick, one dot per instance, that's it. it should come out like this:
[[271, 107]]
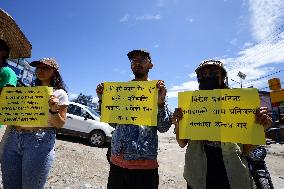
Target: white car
[[84, 122]]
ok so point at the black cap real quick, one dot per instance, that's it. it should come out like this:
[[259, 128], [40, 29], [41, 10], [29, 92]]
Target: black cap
[[131, 54]]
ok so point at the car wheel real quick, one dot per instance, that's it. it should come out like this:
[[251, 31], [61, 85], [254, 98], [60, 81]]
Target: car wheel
[[97, 138]]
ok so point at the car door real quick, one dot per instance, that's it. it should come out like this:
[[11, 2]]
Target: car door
[[75, 119]]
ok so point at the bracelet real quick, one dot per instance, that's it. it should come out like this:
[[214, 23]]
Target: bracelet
[[57, 111]]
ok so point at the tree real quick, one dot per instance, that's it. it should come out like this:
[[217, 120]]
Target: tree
[[86, 100]]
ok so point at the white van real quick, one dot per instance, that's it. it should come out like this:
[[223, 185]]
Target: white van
[[84, 122]]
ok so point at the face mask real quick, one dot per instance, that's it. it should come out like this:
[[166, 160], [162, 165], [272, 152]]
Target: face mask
[[209, 83]]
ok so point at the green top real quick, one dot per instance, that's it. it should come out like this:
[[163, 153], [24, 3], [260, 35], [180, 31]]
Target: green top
[[7, 77]]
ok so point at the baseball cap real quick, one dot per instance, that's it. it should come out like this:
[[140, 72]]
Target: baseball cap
[[47, 61]]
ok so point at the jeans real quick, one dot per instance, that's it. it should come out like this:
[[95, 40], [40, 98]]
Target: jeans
[[27, 158]]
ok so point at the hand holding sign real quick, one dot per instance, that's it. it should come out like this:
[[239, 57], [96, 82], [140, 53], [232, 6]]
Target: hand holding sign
[[132, 102], [24, 106], [53, 103], [262, 118], [162, 91], [226, 115], [100, 90], [177, 116]]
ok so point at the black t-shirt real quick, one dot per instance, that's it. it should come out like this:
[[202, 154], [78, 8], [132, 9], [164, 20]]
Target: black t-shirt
[[216, 172]]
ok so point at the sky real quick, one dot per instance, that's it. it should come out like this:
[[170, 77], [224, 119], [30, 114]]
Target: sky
[[90, 39]]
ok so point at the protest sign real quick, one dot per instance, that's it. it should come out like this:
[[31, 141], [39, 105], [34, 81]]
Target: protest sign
[[226, 115], [277, 96], [132, 102], [25, 106]]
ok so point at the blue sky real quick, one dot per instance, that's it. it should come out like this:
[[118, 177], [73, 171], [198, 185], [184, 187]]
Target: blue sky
[[90, 38]]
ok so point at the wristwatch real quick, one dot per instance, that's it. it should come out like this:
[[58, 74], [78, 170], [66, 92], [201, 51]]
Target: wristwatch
[[57, 111]]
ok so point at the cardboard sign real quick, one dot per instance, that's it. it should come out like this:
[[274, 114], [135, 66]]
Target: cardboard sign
[[226, 115], [132, 102], [25, 106]]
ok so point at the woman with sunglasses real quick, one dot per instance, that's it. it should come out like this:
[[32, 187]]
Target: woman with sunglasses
[[29, 151]]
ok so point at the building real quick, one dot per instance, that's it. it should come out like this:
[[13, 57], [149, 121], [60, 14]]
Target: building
[[265, 100], [23, 70]]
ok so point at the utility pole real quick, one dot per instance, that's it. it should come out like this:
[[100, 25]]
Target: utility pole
[[242, 77]]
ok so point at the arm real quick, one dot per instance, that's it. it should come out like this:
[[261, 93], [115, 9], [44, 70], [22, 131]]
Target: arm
[[100, 91], [58, 107], [177, 116], [58, 120], [265, 121], [164, 119], [164, 114]]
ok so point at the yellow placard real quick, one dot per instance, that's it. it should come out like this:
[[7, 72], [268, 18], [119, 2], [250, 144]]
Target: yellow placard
[[133, 102], [226, 115], [277, 96], [25, 106]]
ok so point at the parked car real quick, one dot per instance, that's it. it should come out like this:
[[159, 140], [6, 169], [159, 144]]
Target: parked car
[[84, 122]]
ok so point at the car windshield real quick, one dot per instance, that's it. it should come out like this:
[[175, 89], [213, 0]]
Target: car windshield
[[93, 112]]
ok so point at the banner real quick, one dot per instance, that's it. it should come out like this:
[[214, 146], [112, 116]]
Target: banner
[[132, 102], [25, 106], [226, 115]]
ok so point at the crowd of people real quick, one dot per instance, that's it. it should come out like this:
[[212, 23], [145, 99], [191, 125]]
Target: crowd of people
[[27, 152]]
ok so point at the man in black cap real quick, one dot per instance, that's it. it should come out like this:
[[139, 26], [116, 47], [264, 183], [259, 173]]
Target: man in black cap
[[134, 149]]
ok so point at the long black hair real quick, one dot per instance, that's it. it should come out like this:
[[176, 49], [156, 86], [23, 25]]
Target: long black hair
[[56, 82]]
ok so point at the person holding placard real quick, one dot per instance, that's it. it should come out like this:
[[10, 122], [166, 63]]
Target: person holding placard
[[134, 148], [211, 164], [8, 78], [29, 151]]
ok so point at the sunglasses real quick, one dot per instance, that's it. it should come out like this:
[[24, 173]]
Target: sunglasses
[[43, 68], [204, 73], [139, 60]]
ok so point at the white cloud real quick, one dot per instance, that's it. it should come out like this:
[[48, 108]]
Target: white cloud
[[187, 86], [192, 75], [128, 17], [189, 20], [247, 44], [266, 16], [234, 41], [254, 60], [156, 46], [125, 18], [148, 17], [258, 60], [162, 3]]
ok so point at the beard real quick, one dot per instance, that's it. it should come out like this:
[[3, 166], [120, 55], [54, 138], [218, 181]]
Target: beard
[[209, 83], [140, 73]]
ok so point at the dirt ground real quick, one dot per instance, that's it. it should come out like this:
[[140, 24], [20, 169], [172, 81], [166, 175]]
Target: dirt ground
[[78, 165]]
